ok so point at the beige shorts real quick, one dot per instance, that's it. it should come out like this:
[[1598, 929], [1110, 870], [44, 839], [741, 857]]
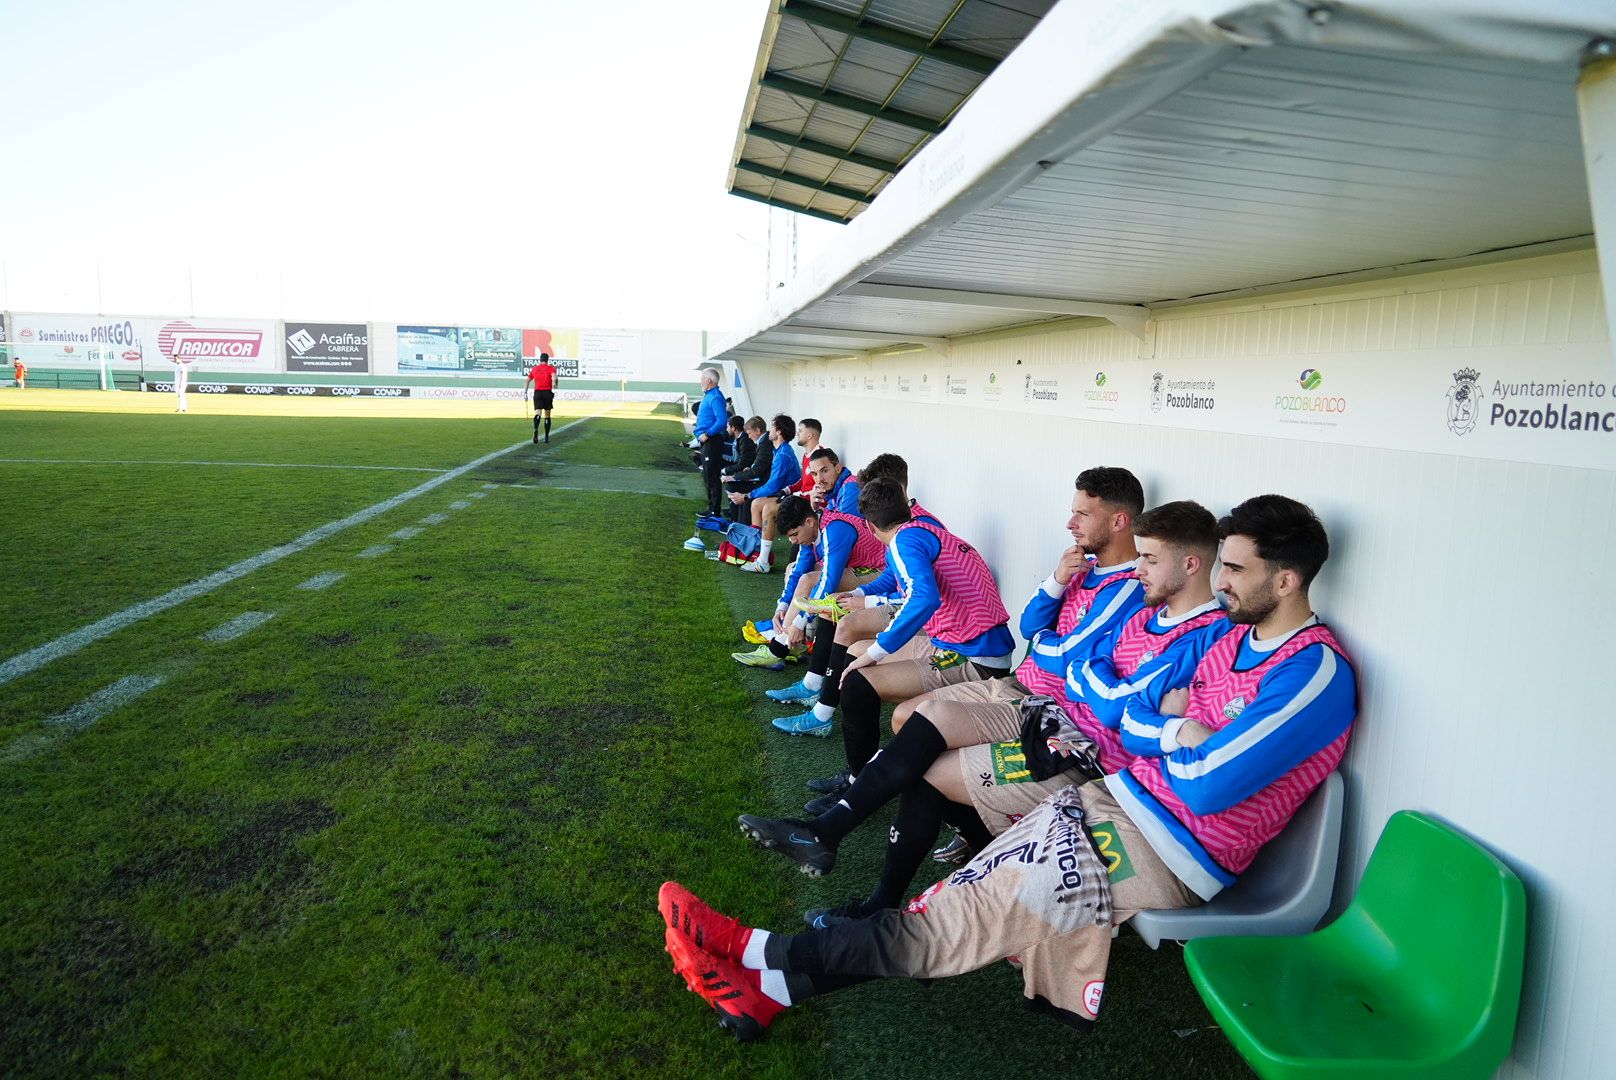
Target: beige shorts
[[936, 668], [991, 705], [1010, 900], [1002, 789]]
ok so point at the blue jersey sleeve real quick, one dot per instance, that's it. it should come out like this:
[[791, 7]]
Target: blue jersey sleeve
[[1301, 707], [785, 472], [884, 584], [1043, 608], [915, 551], [1142, 720], [710, 418], [1113, 606], [806, 559], [838, 538], [847, 497], [1097, 683]]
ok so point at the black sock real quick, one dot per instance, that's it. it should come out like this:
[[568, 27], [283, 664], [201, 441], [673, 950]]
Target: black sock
[[964, 817], [861, 721], [831, 693], [913, 835], [802, 985], [899, 765], [824, 642], [547, 425], [536, 425], [778, 646]]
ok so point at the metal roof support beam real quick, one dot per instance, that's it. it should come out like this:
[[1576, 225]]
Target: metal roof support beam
[[842, 23], [1129, 317], [798, 88], [1596, 106], [822, 215], [836, 333], [830, 150], [851, 194]]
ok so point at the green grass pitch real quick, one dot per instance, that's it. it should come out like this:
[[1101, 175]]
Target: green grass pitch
[[413, 824]]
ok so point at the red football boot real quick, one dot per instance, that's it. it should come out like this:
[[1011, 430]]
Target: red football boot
[[734, 992], [685, 912]]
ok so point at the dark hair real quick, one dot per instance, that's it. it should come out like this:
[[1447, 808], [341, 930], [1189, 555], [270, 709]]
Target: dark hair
[[809, 421], [822, 453], [734, 423], [1114, 487], [756, 423], [792, 511], [1182, 524], [544, 358], [883, 503], [886, 467], [786, 426], [1287, 533]]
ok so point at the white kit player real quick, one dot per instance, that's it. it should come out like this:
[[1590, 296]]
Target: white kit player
[[182, 370]]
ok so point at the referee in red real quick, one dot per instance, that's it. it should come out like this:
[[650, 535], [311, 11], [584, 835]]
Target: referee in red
[[543, 376]]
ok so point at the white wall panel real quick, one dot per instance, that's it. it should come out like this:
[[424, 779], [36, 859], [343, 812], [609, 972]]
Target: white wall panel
[[1473, 592]]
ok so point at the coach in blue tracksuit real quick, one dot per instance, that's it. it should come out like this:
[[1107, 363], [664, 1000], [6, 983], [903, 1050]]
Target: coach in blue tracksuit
[[709, 434]]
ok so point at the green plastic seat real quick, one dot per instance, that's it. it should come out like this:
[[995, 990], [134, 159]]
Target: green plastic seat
[[1420, 976]]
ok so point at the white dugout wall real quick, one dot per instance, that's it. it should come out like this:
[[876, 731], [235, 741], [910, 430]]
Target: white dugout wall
[[1473, 591]]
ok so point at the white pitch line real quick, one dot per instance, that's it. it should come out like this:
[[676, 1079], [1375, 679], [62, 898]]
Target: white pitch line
[[459, 504], [433, 519], [374, 552], [104, 701], [78, 717], [479, 495], [67, 644], [407, 532], [243, 464], [490, 487], [325, 580], [230, 631]]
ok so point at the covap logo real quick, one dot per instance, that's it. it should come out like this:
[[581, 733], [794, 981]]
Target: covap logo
[[1464, 401], [1310, 379]]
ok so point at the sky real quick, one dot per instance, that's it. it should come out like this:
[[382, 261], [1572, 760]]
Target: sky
[[520, 162]]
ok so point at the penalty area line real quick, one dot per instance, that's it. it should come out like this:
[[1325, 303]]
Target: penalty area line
[[32, 660]]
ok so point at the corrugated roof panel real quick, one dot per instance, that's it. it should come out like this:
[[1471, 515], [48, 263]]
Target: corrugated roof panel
[[860, 133], [994, 28], [1173, 202], [855, 61], [926, 320]]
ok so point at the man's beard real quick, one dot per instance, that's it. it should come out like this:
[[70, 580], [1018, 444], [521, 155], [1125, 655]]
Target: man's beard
[[1253, 609]]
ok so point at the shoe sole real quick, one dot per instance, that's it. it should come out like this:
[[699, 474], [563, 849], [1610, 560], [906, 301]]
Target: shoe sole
[[763, 842], [816, 733]]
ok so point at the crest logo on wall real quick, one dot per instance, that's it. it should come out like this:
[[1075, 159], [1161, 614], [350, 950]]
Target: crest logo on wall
[[1156, 392], [1464, 401]]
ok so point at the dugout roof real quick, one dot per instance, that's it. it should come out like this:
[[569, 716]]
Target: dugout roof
[[845, 92], [1128, 156]]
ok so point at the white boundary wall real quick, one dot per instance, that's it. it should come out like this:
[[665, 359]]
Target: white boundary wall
[[1472, 589]]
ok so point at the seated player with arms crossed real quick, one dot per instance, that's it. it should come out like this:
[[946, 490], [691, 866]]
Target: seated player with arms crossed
[[954, 754], [1251, 716]]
